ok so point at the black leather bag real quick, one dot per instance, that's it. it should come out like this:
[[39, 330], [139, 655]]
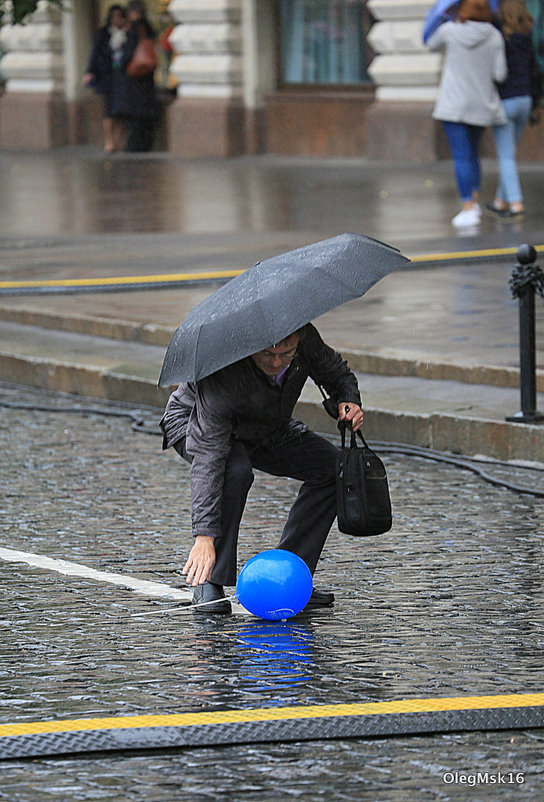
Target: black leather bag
[[362, 490]]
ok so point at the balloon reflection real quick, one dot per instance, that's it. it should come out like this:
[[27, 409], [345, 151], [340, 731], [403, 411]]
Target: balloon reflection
[[274, 656]]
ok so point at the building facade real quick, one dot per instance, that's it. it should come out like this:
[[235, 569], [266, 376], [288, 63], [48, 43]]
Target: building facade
[[296, 77]]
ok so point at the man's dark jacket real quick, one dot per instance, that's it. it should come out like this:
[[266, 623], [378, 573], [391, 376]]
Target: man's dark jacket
[[241, 402]]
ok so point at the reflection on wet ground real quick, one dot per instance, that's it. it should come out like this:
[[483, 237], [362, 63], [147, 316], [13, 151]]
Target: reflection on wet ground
[[78, 191], [274, 655], [74, 214], [449, 603], [381, 770]]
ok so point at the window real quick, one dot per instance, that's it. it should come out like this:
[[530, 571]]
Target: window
[[324, 42]]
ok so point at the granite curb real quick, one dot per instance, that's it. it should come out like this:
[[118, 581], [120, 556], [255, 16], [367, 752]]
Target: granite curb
[[365, 362], [445, 432]]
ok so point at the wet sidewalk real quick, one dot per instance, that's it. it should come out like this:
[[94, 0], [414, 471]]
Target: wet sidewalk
[[448, 604], [436, 344]]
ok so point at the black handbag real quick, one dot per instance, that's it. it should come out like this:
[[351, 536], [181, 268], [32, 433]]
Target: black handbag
[[362, 490]]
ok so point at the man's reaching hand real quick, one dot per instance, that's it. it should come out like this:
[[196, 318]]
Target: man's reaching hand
[[201, 561]]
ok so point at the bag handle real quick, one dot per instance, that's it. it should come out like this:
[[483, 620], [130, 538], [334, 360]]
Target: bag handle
[[332, 409], [345, 424]]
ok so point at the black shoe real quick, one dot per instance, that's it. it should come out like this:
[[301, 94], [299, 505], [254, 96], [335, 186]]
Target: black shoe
[[510, 214], [321, 598], [504, 212], [498, 211], [209, 592]]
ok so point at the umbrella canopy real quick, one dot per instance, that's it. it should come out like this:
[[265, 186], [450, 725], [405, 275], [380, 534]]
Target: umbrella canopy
[[273, 299], [443, 10]]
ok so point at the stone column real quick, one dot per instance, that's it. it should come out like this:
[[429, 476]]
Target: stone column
[[260, 51], [400, 125], [33, 114], [207, 118]]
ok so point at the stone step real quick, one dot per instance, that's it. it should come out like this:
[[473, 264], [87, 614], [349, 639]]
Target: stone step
[[439, 413], [366, 362]]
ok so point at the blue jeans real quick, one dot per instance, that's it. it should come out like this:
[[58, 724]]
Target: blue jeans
[[506, 137], [464, 143]]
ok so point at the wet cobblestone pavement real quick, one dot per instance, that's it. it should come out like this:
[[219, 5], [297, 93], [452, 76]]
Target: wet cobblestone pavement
[[449, 603]]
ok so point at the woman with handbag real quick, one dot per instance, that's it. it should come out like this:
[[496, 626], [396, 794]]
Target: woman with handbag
[[139, 63], [517, 26]]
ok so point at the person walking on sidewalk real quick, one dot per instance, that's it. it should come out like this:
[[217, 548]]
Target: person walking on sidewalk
[[468, 99], [517, 26], [239, 419], [142, 104], [105, 76]]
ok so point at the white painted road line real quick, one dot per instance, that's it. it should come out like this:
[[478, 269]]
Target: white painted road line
[[142, 586]]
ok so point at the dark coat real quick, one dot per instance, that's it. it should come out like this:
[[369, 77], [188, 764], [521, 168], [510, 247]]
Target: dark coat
[[241, 402], [141, 100], [100, 62], [109, 79], [519, 58]]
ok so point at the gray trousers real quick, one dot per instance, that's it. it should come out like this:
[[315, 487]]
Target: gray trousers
[[310, 459]]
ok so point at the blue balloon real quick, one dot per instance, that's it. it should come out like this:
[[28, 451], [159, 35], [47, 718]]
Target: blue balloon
[[275, 584]]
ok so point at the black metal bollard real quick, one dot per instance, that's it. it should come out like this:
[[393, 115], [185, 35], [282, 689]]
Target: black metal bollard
[[527, 278]]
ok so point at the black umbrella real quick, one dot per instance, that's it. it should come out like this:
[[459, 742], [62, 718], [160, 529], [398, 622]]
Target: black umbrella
[[271, 300]]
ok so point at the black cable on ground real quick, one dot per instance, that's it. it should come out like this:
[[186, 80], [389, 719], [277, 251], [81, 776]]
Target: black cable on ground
[[136, 416], [384, 445], [462, 461]]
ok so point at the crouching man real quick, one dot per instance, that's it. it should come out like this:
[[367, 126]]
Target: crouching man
[[239, 419]]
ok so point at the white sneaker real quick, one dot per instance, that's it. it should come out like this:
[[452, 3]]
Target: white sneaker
[[467, 217]]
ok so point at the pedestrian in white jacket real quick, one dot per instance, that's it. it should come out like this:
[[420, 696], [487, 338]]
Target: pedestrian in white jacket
[[468, 99]]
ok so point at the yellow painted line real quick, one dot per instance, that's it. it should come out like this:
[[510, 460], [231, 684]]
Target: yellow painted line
[[83, 282], [481, 254], [221, 274], [277, 714]]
